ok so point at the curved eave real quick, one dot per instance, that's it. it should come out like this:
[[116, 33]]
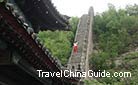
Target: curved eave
[[18, 36], [43, 15]]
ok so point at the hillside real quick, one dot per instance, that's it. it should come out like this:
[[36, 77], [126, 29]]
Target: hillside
[[115, 44]]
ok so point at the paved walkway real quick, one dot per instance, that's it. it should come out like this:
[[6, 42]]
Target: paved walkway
[[80, 61]]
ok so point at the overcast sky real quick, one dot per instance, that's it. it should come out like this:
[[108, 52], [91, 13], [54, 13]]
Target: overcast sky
[[80, 7]]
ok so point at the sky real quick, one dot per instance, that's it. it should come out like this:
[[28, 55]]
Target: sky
[[80, 7]]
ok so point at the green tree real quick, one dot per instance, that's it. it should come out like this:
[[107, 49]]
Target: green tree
[[60, 42], [115, 33]]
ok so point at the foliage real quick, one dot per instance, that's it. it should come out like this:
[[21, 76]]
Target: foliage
[[116, 32], [59, 42], [93, 82], [74, 23], [132, 10]]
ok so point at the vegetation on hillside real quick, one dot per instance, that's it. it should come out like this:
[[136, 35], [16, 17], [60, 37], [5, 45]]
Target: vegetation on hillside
[[60, 42], [115, 34]]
